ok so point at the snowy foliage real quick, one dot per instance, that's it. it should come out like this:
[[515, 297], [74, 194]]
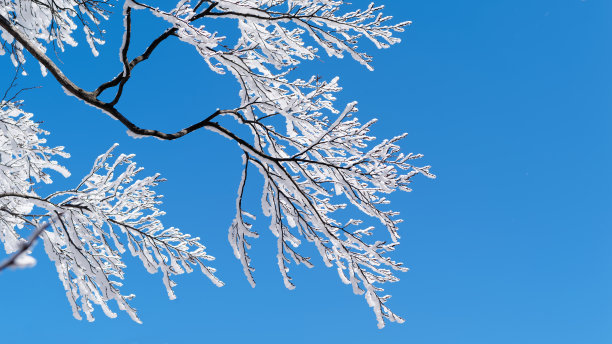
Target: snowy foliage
[[315, 159], [106, 211], [52, 22]]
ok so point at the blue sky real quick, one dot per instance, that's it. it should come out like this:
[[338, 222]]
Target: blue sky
[[510, 101]]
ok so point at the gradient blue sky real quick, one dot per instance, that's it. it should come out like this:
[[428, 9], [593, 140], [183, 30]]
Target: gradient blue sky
[[511, 103]]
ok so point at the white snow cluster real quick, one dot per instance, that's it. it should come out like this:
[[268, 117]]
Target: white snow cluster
[[109, 209]]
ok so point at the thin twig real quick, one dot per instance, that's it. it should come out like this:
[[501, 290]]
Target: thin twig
[[11, 261]]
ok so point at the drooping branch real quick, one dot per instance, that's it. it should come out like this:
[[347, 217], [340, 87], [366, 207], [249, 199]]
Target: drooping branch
[[240, 229], [296, 195]]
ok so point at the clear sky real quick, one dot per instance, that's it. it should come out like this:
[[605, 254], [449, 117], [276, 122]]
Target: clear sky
[[509, 100]]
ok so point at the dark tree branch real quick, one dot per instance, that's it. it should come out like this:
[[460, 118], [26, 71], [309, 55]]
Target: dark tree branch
[[124, 50], [71, 87], [165, 136], [91, 97], [149, 50]]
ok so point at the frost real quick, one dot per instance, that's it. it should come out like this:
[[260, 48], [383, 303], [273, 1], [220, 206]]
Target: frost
[[109, 209], [316, 158]]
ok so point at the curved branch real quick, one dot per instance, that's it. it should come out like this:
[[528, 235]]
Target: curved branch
[[144, 56], [91, 97], [149, 50], [88, 97]]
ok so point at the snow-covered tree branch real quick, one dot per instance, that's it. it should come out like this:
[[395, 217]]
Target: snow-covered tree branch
[[315, 158], [91, 223]]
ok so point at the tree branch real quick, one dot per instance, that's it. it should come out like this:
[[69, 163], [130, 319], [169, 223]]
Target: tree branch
[[88, 97], [125, 46], [149, 50], [12, 260]]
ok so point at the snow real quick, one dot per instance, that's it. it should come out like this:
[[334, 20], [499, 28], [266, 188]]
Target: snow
[[112, 203], [24, 261], [319, 161]]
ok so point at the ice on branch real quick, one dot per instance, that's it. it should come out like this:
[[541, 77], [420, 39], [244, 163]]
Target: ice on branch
[[331, 162], [109, 210], [316, 158]]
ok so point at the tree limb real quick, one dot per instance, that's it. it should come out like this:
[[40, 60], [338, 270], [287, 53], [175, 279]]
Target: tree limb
[[149, 50]]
